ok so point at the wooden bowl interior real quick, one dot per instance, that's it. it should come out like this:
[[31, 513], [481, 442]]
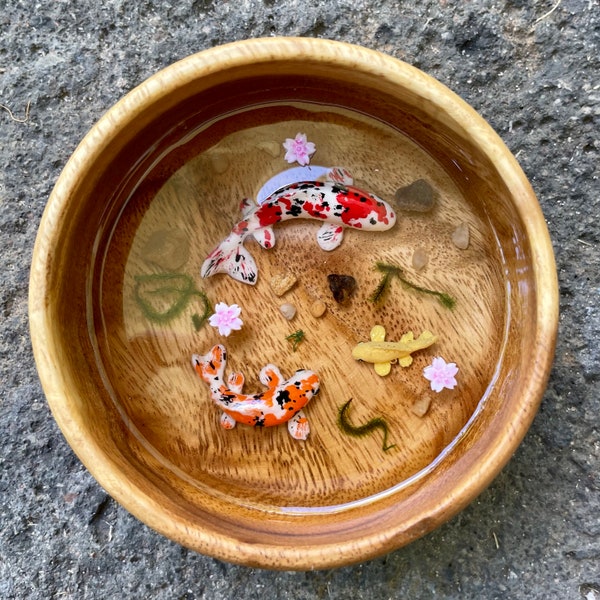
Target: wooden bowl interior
[[122, 389]]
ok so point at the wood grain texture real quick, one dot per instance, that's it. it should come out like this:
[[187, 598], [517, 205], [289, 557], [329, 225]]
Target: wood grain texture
[[166, 167]]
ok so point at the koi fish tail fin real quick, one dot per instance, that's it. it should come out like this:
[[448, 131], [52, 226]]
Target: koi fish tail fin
[[211, 367], [231, 257]]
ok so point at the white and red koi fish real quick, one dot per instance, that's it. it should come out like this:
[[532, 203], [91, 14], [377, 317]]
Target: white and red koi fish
[[281, 402], [337, 204]]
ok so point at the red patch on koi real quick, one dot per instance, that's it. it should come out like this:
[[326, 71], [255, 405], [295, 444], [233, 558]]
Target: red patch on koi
[[382, 215], [315, 210], [269, 213], [360, 209], [241, 227]]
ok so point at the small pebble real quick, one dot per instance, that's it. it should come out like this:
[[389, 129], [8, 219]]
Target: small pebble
[[341, 286], [288, 311], [421, 406], [318, 308], [282, 283], [460, 236], [419, 196], [420, 258]]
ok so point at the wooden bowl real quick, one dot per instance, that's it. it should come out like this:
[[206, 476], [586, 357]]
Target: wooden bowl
[[116, 297]]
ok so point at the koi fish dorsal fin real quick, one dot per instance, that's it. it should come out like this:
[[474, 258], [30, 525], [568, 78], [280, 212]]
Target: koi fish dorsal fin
[[330, 236], [340, 175]]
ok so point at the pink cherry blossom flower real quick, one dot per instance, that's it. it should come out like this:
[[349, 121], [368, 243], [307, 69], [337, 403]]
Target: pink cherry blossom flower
[[298, 149], [226, 318], [441, 374]]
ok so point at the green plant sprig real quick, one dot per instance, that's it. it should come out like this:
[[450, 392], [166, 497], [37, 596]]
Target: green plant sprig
[[296, 338], [366, 429], [392, 271]]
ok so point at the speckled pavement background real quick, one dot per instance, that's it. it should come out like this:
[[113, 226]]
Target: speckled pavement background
[[532, 69]]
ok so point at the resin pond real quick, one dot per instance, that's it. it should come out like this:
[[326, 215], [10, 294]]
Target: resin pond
[[429, 366]]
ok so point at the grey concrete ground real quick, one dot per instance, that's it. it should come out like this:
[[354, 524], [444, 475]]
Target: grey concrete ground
[[532, 69]]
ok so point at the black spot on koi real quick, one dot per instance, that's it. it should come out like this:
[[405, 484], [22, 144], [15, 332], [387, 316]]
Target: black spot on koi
[[295, 210], [283, 397], [338, 188], [227, 397]]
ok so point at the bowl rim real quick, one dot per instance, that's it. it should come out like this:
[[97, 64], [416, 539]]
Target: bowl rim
[[46, 348]]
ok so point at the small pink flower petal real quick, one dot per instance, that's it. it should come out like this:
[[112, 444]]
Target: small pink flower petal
[[290, 156], [226, 318], [298, 149], [441, 374]]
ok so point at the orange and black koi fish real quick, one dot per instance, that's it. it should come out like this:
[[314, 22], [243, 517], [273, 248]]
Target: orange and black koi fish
[[281, 402]]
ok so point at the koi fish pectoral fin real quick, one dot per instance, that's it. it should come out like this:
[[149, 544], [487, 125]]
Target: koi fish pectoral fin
[[235, 381], [330, 236], [265, 237], [405, 361], [270, 376], [227, 422], [383, 368], [298, 426]]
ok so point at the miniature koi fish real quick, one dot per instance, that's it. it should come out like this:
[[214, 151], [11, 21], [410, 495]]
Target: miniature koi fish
[[335, 203], [379, 351], [281, 402]]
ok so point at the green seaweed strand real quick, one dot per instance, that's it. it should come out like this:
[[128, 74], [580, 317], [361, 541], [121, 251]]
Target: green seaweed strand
[[383, 285], [169, 283], [391, 271], [366, 429], [198, 320]]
